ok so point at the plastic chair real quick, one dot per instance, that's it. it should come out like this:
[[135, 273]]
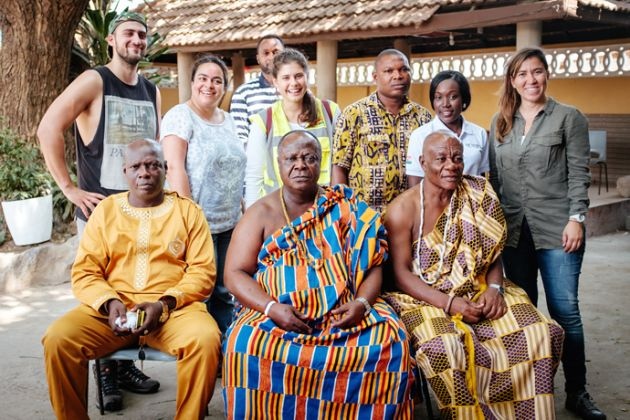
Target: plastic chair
[[132, 353], [597, 140]]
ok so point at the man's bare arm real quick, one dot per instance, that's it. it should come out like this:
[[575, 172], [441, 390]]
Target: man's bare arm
[[240, 267], [76, 101], [339, 175], [241, 259], [158, 110]]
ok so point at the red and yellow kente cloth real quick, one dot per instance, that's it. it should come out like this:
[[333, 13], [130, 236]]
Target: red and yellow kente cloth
[[361, 372], [500, 369]]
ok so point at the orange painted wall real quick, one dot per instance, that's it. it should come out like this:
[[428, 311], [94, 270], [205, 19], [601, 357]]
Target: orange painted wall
[[606, 95], [170, 98]]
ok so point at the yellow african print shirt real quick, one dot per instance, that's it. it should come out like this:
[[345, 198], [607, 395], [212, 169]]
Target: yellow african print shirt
[[371, 144], [141, 254]]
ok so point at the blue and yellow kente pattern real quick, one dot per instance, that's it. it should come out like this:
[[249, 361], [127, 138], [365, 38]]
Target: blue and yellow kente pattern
[[361, 372]]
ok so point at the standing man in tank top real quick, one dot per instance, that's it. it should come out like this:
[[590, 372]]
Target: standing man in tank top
[[110, 106]]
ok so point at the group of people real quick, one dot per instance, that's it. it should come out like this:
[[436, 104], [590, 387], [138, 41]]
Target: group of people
[[311, 257]]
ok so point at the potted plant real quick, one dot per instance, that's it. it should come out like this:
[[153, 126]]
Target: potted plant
[[25, 189]]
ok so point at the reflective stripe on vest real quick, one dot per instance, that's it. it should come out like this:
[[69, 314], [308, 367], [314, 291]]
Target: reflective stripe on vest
[[280, 126]]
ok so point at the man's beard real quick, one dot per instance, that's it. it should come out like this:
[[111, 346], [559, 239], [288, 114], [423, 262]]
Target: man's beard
[[128, 58], [267, 70]]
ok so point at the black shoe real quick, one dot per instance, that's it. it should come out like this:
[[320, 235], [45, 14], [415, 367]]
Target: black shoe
[[132, 379], [112, 397], [581, 404]]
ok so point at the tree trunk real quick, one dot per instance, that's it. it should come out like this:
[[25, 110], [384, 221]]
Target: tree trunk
[[35, 53]]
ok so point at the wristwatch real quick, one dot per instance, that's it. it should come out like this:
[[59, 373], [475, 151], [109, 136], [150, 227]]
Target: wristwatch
[[499, 287], [165, 312], [580, 218]]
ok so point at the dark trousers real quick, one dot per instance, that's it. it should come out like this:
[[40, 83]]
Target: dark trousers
[[221, 304]]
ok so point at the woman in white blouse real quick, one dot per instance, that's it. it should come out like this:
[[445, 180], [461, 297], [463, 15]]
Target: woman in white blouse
[[206, 162], [450, 96]]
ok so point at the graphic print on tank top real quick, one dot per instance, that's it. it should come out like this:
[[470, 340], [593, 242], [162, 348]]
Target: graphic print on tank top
[[125, 120]]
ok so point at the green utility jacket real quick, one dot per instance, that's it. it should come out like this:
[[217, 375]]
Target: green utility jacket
[[544, 178]]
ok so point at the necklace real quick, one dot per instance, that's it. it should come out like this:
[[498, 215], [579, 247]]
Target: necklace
[[302, 250], [417, 269]]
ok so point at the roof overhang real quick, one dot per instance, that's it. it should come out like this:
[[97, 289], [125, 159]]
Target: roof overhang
[[432, 19]]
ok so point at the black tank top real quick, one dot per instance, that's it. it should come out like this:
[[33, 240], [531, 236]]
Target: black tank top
[[128, 113]]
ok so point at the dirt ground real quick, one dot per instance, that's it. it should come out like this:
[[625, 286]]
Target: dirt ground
[[604, 295]]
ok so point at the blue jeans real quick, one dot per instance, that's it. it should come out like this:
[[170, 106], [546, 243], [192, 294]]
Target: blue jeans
[[560, 273], [221, 304]]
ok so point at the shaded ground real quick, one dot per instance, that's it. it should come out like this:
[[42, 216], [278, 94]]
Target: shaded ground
[[604, 295]]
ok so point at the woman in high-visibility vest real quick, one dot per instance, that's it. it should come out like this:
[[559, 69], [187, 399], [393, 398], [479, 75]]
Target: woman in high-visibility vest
[[298, 108]]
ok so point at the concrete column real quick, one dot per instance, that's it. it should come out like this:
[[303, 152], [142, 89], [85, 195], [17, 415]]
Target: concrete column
[[528, 34], [327, 70], [238, 69], [184, 71], [402, 45]]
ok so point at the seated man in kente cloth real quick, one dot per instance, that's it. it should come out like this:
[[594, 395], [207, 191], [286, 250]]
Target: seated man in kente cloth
[[313, 339], [148, 250], [484, 348]]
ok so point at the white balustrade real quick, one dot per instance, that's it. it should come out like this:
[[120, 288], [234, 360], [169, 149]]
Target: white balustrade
[[596, 61]]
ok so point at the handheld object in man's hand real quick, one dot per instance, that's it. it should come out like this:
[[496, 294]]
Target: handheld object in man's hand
[[134, 320]]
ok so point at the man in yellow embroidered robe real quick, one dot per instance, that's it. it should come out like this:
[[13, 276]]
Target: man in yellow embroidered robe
[[143, 249]]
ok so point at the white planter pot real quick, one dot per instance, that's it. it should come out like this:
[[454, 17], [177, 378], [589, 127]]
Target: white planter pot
[[29, 221]]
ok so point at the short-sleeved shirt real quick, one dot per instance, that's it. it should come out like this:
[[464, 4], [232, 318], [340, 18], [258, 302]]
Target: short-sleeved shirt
[[473, 137], [215, 164], [371, 143]]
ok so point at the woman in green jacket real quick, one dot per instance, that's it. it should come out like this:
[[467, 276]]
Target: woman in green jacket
[[539, 167]]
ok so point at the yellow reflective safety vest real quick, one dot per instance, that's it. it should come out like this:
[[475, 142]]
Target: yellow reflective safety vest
[[323, 130]]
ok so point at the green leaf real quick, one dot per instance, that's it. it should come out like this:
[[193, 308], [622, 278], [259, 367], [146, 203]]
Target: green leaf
[[23, 173], [90, 40]]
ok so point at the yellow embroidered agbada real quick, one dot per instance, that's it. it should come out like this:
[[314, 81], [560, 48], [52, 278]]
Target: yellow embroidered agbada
[[135, 254], [138, 255]]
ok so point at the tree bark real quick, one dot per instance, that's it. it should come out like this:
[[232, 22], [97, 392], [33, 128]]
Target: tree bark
[[35, 54]]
